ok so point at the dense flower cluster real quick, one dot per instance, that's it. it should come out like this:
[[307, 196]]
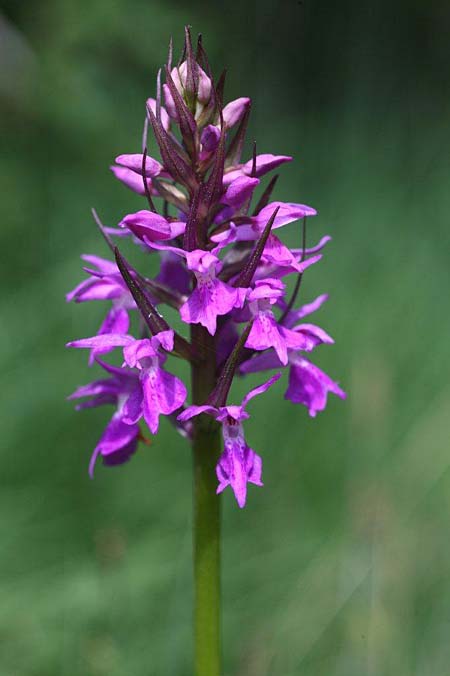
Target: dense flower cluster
[[221, 267]]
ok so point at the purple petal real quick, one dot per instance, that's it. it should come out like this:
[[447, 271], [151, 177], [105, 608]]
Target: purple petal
[[231, 175], [314, 333], [238, 465], [239, 191], [210, 138], [163, 394], [147, 224], [170, 103], [103, 265], [96, 401], [79, 290], [268, 288], [134, 162], [298, 340], [265, 163], [287, 213], [237, 413], [165, 119], [164, 339], [253, 467], [105, 386], [166, 247], [101, 289], [308, 385], [192, 411], [305, 310], [132, 409], [116, 437], [260, 389], [137, 350], [234, 111], [264, 361], [314, 249], [265, 333], [105, 341], [115, 322], [207, 302], [132, 180], [173, 273], [122, 455], [278, 253]]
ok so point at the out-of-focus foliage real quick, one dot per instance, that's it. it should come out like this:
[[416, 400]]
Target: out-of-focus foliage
[[340, 565]]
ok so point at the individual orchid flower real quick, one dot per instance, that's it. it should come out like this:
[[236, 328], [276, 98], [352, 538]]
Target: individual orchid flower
[[161, 393], [146, 225], [238, 464], [308, 385], [211, 297], [266, 332]]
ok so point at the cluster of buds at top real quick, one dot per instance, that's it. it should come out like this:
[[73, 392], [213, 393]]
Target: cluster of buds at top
[[221, 267]]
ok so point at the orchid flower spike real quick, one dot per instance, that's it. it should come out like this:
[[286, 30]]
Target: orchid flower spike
[[209, 283]]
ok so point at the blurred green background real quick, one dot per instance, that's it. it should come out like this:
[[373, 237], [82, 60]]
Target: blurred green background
[[340, 565]]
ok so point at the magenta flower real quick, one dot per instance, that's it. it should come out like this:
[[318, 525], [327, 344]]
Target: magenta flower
[[160, 392], [266, 332], [211, 297], [146, 225], [217, 265], [238, 464], [308, 385]]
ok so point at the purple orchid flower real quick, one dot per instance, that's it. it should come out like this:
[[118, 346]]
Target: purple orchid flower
[[308, 385], [161, 393], [266, 332], [211, 297], [146, 225], [238, 464]]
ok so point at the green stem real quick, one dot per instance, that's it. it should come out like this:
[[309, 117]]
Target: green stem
[[206, 526]]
